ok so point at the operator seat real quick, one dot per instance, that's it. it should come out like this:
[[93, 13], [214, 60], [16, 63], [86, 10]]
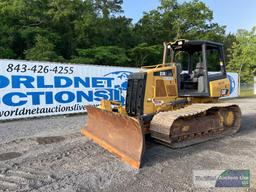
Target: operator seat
[[199, 71], [198, 77], [179, 68]]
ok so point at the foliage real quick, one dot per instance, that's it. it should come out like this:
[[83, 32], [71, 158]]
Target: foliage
[[42, 51], [228, 42], [171, 20], [6, 53], [242, 56], [143, 52], [94, 31], [104, 55], [106, 7]]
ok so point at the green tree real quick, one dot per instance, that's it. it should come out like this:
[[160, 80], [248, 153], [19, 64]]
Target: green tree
[[6, 53], [150, 28], [115, 31], [18, 16], [56, 20], [43, 51], [243, 57], [66, 16], [173, 20], [105, 7], [73, 27], [104, 55], [142, 53], [228, 42]]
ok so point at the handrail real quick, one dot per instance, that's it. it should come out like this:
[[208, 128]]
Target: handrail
[[156, 66]]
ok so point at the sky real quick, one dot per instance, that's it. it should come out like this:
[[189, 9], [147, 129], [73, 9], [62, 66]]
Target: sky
[[235, 14]]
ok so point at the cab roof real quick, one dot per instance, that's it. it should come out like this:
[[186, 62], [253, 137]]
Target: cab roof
[[193, 45]]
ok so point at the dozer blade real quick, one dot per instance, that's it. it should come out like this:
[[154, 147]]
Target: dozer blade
[[119, 134]]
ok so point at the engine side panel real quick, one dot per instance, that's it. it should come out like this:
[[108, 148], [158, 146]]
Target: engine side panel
[[161, 88], [219, 88]]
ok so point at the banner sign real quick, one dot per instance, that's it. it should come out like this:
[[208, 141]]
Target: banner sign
[[234, 85], [30, 89]]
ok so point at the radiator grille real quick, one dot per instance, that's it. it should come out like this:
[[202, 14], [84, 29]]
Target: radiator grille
[[135, 94]]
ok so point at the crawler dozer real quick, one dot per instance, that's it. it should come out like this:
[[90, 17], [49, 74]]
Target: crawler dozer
[[175, 103]]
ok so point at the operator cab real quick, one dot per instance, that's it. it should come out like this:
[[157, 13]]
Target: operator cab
[[198, 63]]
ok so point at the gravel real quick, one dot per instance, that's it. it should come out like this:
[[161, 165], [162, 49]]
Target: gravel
[[49, 154]]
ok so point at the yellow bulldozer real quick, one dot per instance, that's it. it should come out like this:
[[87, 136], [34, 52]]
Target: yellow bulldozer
[[175, 103]]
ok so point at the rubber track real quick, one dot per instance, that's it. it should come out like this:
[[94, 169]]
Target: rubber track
[[163, 121]]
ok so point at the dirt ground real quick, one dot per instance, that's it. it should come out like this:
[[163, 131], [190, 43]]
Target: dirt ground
[[49, 154]]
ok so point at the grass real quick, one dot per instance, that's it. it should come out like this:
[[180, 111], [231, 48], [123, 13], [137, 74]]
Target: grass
[[247, 93]]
